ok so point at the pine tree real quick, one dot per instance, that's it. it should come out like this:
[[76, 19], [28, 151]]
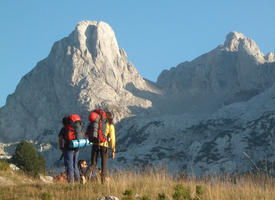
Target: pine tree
[[27, 159]]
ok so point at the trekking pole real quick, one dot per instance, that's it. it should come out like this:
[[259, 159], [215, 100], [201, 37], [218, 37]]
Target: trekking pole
[[61, 157], [246, 155]]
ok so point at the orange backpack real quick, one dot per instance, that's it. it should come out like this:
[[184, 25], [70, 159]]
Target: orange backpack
[[97, 127], [74, 128]]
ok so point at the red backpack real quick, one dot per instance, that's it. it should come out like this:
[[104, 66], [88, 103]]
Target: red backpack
[[97, 127], [74, 128]]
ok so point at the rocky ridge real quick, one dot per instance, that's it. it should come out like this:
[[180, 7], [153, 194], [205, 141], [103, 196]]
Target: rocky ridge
[[232, 72]]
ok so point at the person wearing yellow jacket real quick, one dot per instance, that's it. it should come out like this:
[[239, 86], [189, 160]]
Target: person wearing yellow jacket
[[102, 148], [111, 134]]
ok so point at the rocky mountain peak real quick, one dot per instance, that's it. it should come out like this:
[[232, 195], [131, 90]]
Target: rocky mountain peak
[[270, 57], [91, 53], [236, 41], [97, 56], [232, 40], [97, 38]]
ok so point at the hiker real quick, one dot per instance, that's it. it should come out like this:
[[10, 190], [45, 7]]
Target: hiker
[[99, 130], [82, 165], [72, 129]]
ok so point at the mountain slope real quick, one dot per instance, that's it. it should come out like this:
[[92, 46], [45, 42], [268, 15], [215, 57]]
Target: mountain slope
[[233, 72], [205, 146]]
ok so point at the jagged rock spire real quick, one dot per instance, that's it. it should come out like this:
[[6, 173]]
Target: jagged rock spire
[[236, 41]]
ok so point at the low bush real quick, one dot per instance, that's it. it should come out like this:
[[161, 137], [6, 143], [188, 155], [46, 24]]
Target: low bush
[[161, 196], [182, 192], [145, 197], [128, 195], [46, 196], [199, 190]]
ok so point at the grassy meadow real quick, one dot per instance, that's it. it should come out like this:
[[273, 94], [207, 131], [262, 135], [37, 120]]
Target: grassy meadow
[[146, 185]]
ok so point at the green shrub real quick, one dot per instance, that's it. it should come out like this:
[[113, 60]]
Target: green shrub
[[46, 196], [145, 197], [4, 165], [182, 193], [161, 196], [27, 159], [128, 195], [199, 190], [128, 192]]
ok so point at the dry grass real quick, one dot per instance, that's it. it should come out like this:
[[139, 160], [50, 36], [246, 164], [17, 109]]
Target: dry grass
[[148, 183]]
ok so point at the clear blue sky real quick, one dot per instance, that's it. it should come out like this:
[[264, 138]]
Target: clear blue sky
[[156, 34]]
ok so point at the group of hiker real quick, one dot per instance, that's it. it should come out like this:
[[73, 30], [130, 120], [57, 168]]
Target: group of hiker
[[99, 133]]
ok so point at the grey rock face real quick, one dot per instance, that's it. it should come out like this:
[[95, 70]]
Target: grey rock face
[[213, 145]]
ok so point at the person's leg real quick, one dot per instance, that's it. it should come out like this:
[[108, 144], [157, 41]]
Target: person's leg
[[104, 162], [68, 161], [76, 171], [94, 155]]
